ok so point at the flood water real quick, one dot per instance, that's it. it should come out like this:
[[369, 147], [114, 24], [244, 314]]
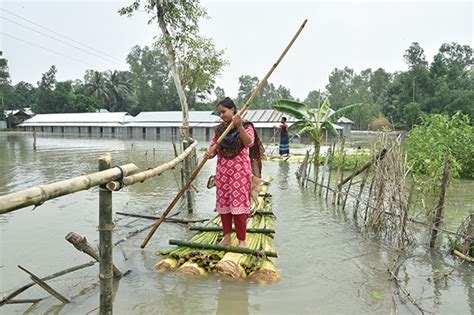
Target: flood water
[[327, 265]]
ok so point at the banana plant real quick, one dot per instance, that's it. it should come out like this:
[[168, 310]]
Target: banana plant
[[314, 122]]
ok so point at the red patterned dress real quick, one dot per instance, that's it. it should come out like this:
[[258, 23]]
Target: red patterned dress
[[233, 180]]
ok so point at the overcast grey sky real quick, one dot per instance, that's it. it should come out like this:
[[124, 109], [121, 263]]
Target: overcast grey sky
[[360, 35]]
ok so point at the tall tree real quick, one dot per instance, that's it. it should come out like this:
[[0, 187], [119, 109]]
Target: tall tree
[[46, 86], [96, 86], [178, 24], [23, 95], [5, 88]]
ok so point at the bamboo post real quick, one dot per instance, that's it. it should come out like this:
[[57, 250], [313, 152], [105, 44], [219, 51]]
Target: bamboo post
[[105, 242], [470, 233], [338, 172], [361, 189], [45, 286], [347, 190], [38, 195], [440, 207], [34, 140], [369, 196], [308, 172], [339, 187], [187, 174], [326, 159], [330, 169], [224, 134]]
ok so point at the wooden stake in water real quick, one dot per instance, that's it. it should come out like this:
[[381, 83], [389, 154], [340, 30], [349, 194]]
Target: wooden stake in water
[[442, 197], [338, 172], [470, 232], [105, 242], [326, 159]]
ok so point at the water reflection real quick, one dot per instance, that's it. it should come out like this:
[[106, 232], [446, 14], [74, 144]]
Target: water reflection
[[283, 168], [233, 297]]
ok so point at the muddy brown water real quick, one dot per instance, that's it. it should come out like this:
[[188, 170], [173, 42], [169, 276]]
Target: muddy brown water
[[327, 265]]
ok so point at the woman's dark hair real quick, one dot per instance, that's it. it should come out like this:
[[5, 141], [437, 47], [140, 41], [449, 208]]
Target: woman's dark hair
[[228, 103], [284, 119]]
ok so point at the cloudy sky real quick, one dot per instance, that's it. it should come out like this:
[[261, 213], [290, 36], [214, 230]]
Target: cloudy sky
[[356, 34]]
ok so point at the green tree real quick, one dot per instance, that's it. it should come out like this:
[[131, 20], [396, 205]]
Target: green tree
[[96, 86], [46, 86], [436, 136], [5, 88], [119, 85], [154, 87], [23, 95], [178, 23]]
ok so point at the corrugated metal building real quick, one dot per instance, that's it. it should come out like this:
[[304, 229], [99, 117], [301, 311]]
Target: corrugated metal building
[[149, 125], [78, 123]]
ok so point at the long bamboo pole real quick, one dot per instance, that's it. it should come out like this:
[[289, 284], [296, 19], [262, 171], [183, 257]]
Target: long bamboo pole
[[229, 128], [233, 249], [38, 195]]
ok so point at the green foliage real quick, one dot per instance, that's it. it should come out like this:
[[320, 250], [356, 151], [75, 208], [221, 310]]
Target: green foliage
[[351, 161], [267, 96], [455, 243], [442, 87], [438, 135]]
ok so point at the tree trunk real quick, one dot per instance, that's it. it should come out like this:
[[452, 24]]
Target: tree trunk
[[160, 11]]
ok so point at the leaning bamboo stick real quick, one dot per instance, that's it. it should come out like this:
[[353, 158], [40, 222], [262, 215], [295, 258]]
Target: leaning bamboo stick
[[38, 195], [142, 176], [45, 286], [462, 256], [25, 301], [380, 156], [55, 275]]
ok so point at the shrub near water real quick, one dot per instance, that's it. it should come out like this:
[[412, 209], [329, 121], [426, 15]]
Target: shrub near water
[[437, 136], [351, 161]]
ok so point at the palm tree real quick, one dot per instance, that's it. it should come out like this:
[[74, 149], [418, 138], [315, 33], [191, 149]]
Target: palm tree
[[119, 87], [313, 121], [96, 86]]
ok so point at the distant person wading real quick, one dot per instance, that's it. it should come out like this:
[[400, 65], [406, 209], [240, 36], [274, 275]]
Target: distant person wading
[[284, 138]]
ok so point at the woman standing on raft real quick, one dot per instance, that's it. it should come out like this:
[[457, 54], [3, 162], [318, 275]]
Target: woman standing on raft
[[237, 155]]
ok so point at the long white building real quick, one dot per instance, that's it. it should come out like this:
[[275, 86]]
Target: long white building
[[148, 125]]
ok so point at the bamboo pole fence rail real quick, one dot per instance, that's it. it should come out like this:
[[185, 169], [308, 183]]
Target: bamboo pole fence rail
[[38, 195]]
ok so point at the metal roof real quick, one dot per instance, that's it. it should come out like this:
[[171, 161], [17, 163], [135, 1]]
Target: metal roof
[[262, 118], [78, 119], [344, 120], [175, 116]]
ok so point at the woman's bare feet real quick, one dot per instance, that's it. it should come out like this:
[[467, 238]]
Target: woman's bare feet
[[226, 241], [242, 244]]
